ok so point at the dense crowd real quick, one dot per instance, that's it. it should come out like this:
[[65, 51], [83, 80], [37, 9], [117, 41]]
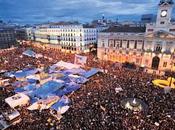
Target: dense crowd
[[96, 105]]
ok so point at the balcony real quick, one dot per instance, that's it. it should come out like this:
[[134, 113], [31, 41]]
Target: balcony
[[168, 52]]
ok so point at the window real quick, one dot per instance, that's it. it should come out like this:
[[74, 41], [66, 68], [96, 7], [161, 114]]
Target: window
[[103, 43], [150, 30], [162, 22], [117, 43], [172, 30], [127, 44], [111, 43], [165, 64], [135, 45], [121, 44], [158, 48]]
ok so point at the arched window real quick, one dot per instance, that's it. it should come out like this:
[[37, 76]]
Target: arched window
[[158, 48]]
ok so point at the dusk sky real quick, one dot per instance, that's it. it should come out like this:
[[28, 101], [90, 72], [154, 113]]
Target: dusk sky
[[36, 11]]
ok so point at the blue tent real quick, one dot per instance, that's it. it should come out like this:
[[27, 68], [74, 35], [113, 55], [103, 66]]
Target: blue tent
[[79, 80], [47, 89], [69, 87], [91, 72], [74, 71], [64, 101], [32, 81], [65, 79], [29, 53], [29, 87], [25, 72], [19, 90]]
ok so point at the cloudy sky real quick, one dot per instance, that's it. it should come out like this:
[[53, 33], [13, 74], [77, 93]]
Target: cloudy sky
[[36, 11]]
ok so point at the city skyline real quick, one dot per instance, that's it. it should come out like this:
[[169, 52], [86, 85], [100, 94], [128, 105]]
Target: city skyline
[[30, 11]]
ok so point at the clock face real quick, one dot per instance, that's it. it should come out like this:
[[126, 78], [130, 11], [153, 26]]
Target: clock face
[[164, 13]]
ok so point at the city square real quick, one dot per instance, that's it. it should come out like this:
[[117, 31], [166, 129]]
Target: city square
[[103, 75]]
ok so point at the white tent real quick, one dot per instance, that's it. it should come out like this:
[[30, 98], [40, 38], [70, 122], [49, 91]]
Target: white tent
[[44, 103], [65, 65], [19, 99], [63, 109]]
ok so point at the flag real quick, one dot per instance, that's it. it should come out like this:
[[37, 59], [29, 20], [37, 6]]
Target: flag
[[80, 60]]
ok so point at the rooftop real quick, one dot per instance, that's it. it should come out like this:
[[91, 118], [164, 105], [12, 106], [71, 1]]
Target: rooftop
[[65, 23], [126, 29], [88, 26]]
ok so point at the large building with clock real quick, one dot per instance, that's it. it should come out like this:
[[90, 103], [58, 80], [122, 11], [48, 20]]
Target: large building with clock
[[152, 47]]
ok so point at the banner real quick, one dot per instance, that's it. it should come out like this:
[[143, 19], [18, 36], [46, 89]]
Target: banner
[[80, 60]]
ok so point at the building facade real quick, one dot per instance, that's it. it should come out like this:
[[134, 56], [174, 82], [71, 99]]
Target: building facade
[[121, 44], [151, 47], [30, 32], [7, 37], [71, 37], [20, 34]]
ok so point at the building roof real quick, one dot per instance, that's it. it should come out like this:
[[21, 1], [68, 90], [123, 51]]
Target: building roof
[[88, 26], [65, 23], [126, 29]]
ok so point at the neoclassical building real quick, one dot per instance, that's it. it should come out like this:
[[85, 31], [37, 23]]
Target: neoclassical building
[[152, 46], [69, 37]]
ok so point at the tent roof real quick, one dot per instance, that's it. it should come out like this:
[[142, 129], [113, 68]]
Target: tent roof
[[91, 72], [65, 65], [29, 53]]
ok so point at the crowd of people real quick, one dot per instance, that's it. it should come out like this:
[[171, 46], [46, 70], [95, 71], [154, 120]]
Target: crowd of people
[[96, 105]]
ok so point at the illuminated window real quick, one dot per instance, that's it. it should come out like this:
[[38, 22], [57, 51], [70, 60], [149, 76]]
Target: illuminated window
[[165, 64]]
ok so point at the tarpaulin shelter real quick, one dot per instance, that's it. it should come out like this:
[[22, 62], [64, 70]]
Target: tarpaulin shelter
[[91, 72], [19, 90], [44, 103], [68, 88], [19, 99], [25, 72], [77, 79], [29, 53], [62, 105], [65, 65], [29, 87], [78, 71], [46, 89]]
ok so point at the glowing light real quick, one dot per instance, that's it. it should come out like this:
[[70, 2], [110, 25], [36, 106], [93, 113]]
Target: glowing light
[[134, 101]]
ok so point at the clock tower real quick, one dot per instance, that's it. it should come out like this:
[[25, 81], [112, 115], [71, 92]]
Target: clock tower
[[164, 13]]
